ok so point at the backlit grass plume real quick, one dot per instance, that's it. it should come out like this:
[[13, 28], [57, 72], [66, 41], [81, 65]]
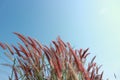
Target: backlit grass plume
[[34, 61]]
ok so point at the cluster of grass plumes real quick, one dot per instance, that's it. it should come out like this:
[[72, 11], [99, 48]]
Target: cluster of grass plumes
[[33, 61]]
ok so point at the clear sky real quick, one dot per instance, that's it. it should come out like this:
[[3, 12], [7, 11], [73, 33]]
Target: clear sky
[[83, 23]]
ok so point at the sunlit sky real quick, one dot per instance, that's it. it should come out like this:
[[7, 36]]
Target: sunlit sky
[[93, 24]]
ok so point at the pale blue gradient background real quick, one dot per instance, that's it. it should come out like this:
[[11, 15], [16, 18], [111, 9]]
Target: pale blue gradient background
[[83, 23]]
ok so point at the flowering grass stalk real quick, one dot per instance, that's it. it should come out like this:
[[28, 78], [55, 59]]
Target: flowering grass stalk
[[60, 61]]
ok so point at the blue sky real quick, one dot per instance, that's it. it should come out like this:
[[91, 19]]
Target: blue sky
[[89, 23]]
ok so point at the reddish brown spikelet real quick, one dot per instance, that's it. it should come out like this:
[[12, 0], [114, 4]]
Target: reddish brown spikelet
[[17, 51], [39, 48], [33, 43], [3, 45], [59, 63], [84, 53], [92, 74], [52, 49], [101, 75], [21, 64], [93, 59], [97, 69], [48, 57], [62, 45], [35, 47], [55, 60], [90, 66], [72, 71], [86, 76], [46, 53], [40, 45], [57, 47], [80, 53], [59, 40], [15, 73], [79, 64], [10, 49], [23, 50], [59, 74], [21, 37]]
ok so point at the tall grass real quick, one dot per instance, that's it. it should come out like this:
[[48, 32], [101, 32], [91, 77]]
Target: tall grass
[[34, 61]]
